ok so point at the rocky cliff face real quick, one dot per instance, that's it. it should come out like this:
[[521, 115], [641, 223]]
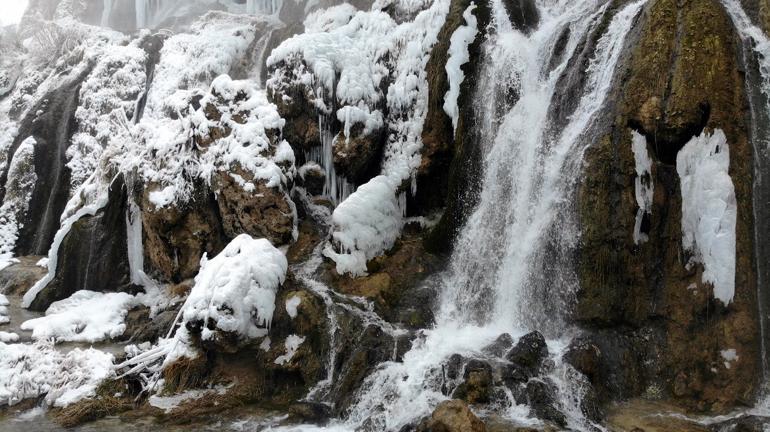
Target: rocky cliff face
[[273, 201], [683, 77]]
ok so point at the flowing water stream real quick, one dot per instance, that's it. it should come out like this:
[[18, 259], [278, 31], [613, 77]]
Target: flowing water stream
[[496, 281]]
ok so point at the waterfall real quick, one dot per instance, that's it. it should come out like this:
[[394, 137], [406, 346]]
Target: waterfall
[[266, 7], [757, 52], [502, 275], [150, 13], [106, 13]]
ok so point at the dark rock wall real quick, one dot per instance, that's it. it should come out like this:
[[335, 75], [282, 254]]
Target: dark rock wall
[[450, 171], [92, 255], [683, 77]]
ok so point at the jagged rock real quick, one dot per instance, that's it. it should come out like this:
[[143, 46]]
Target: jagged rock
[[477, 383], [394, 283], [454, 366], [313, 178], [367, 348], [176, 236], [140, 327], [523, 14], [308, 238], [500, 346], [542, 400], [452, 416], [19, 277], [529, 353], [264, 212], [295, 104], [450, 169], [585, 357]]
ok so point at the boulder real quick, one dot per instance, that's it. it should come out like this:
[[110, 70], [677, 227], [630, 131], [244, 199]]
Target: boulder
[[177, 235], [477, 383], [357, 157], [500, 346], [19, 277], [543, 402], [264, 212], [452, 416], [529, 353]]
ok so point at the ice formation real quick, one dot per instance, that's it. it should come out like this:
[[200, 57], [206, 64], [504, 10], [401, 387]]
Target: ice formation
[[32, 370], [86, 316], [643, 185], [90, 198], [458, 56], [709, 209], [236, 289], [292, 344], [19, 186], [292, 304], [348, 55]]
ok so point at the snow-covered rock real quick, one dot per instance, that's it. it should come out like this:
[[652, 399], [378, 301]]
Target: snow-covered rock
[[235, 291], [86, 316], [30, 371]]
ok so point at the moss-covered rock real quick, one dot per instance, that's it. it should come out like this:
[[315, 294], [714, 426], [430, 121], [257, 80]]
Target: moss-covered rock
[[683, 77]]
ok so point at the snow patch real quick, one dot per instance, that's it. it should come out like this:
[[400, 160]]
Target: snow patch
[[86, 316], [709, 210], [729, 356], [30, 371], [7, 337], [292, 304], [292, 344]]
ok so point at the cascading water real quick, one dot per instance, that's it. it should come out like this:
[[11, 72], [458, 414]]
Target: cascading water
[[266, 7], [496, 282]]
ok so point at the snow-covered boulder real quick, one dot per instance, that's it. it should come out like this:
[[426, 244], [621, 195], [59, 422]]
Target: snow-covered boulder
[[235, 291]]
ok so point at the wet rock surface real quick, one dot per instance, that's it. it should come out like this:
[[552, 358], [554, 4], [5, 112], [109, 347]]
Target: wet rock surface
[[452, 416], [681, 78], [92, 256], [18, 278]]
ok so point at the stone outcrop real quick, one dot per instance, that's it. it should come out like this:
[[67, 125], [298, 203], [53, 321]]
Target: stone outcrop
[[264, 212], [682, 77], [452, 416], [357, 157], [175, 237]]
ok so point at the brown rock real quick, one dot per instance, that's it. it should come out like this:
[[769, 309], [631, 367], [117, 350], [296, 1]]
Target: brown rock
[[357, 157], [264, 212], [176, 236], [682, 78], [18, 278], [452, 416]]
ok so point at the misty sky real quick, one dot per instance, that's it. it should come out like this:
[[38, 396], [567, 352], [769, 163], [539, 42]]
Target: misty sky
[[11, 11]]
